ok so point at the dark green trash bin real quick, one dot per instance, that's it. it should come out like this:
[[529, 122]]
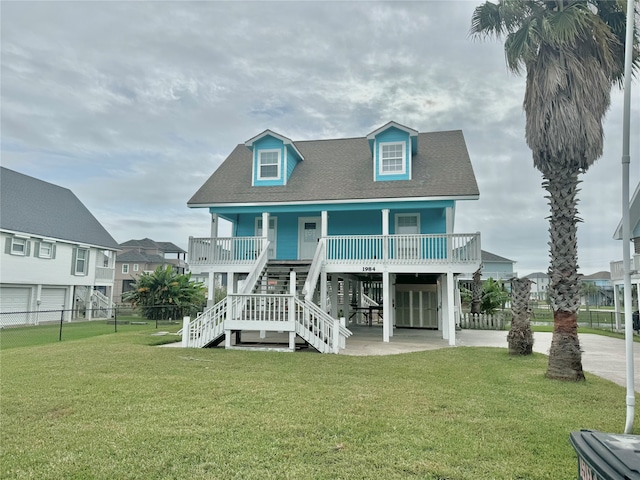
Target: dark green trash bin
[[606, 456]]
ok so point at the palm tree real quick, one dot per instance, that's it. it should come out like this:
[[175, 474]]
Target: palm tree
[[166, 294], [571, 51]]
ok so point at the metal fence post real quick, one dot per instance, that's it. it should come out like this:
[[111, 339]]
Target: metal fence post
[[61, 320]]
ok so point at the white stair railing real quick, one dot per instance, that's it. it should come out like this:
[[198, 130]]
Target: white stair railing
[[101, 305], [207, 327], [323, 332], [314, 271], [367, 301]]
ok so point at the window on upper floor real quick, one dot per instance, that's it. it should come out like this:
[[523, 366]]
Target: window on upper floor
[[392, 158], [80, 261], [269, 165], [125, 268], [135, 267], [46, 250], [18, 246]]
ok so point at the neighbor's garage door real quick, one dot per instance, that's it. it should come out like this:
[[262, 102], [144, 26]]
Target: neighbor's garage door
[[51, 299], [14, 302]]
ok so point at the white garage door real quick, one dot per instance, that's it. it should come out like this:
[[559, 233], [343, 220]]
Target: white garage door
[[14, 302], [51, 299]]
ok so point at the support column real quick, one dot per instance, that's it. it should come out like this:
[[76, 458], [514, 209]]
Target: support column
[[323, 290], [265, 225], [451, 320], [324, 224], [386, 305], [444, 308], [214, 226], [89, 303], [292, 309], [385, 232], [334, 295], [212, 289], [616, 303], [391, 311], [70, 303]]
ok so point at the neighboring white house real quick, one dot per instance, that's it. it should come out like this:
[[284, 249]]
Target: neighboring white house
[[539, 286], [616, 268], [55, 254]]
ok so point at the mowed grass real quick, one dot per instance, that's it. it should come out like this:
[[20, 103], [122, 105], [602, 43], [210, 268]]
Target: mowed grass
[[31, 335], [116, 407]]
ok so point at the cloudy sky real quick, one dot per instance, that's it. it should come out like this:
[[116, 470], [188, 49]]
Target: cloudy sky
[[132, 105]]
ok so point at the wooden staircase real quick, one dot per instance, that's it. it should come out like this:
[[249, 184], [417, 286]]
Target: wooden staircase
[[276, 275], [271, 306]]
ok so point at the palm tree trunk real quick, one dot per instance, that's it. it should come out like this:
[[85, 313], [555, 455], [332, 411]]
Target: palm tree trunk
[[565, 355], [520, 337], [476, 293]]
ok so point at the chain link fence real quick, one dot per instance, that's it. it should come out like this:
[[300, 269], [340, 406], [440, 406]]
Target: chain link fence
[[40, 327]]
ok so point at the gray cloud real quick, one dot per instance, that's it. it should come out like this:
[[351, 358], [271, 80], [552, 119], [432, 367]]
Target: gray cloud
[[133, 105]]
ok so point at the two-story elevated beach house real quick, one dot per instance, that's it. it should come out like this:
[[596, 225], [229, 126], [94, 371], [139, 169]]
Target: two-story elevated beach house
[[354, 228]]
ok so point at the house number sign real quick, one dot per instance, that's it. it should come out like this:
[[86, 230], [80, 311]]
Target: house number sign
[[368, 269]]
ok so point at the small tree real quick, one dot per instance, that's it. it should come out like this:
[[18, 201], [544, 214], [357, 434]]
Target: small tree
[[166, 294], [520, 337], [588, 289], [494, 296]]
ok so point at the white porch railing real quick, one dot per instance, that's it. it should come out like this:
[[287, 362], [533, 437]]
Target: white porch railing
[[269, 312], [105, 274], [224, 251], [617, 268], [456, 248], [404, 249]]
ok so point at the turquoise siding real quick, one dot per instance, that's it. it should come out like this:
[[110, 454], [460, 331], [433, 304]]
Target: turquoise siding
[[268, 143], [394, 135], [288, 160], [292, 161], [365, 222]]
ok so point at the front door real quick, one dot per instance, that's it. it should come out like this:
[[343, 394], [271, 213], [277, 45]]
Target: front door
[[408, 247], [308, 236]]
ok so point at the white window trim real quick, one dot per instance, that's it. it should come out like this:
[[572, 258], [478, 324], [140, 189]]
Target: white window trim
[[398, 215], [85, 260], [135, 267], [403, 171], [19, 241], [125, 268], [45, 244], [278, 163]]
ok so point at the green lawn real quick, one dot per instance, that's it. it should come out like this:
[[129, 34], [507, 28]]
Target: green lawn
[[114, 407], [30, 335]]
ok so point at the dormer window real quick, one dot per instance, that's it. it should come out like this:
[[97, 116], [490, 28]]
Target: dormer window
[[392, 157], [269, 165]]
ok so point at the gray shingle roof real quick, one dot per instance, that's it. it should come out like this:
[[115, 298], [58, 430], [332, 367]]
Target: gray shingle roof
[[343, 169], [492, 257], [143, 243], [169, 247], [32, 206], [140, 257]]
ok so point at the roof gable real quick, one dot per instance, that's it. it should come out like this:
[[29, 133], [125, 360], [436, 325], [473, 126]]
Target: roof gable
[[43, 209], [341, 170]]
